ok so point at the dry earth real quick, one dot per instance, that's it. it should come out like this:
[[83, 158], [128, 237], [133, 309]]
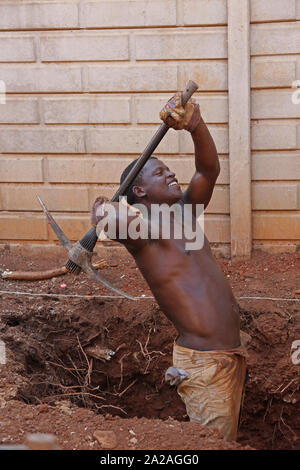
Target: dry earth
[[59, 379]]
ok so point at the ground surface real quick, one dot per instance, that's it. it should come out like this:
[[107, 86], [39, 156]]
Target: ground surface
[[59, 379]]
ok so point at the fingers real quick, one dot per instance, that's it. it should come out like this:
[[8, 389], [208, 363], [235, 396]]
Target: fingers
[[173, 112], [177, 116], [100, 200], [163, 114]]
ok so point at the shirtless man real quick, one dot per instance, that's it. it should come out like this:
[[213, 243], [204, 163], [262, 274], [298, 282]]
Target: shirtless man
[[188, 285]]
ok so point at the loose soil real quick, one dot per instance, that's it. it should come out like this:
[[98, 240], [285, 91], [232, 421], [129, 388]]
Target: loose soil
[[60, 377]]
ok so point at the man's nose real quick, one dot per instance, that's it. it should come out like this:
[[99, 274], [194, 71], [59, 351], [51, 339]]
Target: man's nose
[[171, 173]]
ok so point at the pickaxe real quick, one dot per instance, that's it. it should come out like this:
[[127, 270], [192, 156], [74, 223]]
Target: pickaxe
[[80, 253]]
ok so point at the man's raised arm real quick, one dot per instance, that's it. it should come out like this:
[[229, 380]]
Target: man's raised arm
[[207, 163]]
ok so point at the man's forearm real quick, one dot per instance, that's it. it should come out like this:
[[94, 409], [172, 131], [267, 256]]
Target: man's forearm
[[206, 157]]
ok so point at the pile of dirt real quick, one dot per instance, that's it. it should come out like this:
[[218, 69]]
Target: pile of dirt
[[76, 429], [76, 365]]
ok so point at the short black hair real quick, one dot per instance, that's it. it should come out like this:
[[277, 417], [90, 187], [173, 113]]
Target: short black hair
[[131, 198]]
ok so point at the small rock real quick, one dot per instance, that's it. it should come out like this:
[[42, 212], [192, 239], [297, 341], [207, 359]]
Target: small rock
[[43, 408], [133, 440], [64, 406], [132, 432], [107, 439]]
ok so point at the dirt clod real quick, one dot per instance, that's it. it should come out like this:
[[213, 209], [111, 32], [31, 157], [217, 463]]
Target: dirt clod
[[107, 439]]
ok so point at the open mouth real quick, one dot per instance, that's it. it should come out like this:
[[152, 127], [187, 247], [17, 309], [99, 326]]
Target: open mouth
[[173, 183]]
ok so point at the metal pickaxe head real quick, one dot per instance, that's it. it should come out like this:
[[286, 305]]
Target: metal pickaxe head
[[79, 255]]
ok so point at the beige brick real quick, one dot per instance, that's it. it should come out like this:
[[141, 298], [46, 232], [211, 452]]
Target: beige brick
[[17, 49], [297, 9], [274, 196], [74, 227], [298, 135], [128, 141], [275, 166], [219, 203], [275, 246], [273, 104], [21, 170], [207, 43], [108, 170], [272, 226], [132, 78], [209, 75], [118, 14], [22, 227], [223, 177], [22, 140], [275, 39], [83, 47], [148, 108], [36, 15], [278, 10], [219, 133], [273, 72], [204, 12], [19, 198], [19, 111], [90, 110], [47, 78], [184, 168], [217, 228], [213, 107], [276, 135], [85, 170]]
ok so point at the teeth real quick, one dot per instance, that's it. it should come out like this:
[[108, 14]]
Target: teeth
[[172, 184]]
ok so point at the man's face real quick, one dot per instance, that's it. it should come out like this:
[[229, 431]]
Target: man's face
[[159, 184]]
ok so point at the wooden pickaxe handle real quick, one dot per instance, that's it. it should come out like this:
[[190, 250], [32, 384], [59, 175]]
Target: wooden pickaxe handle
[[90, 238]]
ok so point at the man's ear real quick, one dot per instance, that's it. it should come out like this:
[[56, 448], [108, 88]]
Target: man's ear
[[139, 191]]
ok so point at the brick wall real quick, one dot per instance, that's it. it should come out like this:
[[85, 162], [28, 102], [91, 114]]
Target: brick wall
[[275, 62], [85, 81]]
